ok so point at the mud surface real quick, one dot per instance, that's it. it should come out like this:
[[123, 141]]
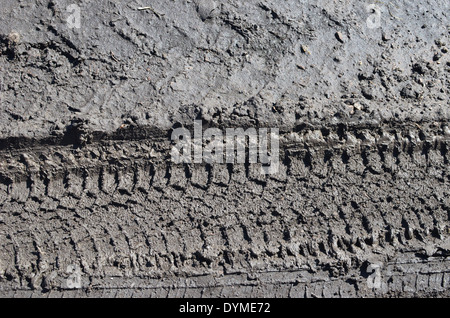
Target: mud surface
[[91, 204]]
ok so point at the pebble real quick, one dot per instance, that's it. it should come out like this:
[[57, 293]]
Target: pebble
[[339, 37], [206, 9], [305, 49], [446, 131]]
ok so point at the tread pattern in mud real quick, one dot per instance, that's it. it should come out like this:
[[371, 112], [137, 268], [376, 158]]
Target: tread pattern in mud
[[347, 206]]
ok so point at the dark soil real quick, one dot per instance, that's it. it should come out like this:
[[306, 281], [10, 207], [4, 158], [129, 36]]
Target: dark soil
[[91, 205]]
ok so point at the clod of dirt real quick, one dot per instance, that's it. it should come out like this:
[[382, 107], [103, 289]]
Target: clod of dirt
[[77, 133], [409, 92], [13, 38], [437, 56], [10, 43], [419, 68], [367, 92], [206, 9]]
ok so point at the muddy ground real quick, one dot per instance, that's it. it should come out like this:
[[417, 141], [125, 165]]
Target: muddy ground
[[91, 204]]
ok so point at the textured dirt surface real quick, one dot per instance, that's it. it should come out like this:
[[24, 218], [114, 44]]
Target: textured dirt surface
[[91, 205]]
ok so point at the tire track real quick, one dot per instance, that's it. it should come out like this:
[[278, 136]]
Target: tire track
[[332, 207]]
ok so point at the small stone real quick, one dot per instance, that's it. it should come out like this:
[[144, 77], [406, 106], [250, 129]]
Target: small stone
[[206, 9], [446, 131], [13, 38], [304, 49], [357, 106], [339, 37]]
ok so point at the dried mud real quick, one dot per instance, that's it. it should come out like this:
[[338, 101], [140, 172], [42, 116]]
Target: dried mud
[[92, 206]]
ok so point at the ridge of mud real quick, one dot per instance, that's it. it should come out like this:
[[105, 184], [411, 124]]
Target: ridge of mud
[[78, 133]]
